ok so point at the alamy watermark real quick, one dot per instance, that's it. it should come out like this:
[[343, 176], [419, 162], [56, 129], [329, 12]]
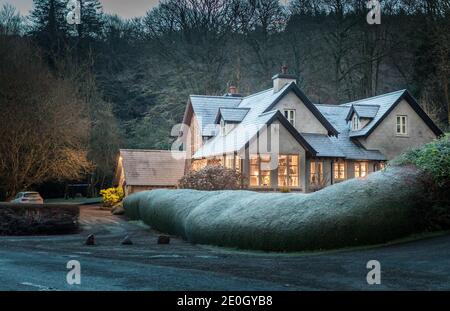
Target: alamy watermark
[[374, 275], [374, 15], [73, 277], [74, 15]]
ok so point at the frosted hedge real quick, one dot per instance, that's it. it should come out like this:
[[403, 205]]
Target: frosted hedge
[[357, 212]]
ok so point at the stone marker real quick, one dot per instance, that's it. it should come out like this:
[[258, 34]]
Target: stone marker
[[90, 240], [127, 241], [164, 239]]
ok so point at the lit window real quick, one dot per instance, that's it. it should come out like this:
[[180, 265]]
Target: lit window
[[288, 171], [229, 161], [290, 116], [254, 171], [355, 123], [402, 125], [316, 172], [265, 170], [360, 169], [339, 170], [237, 164]]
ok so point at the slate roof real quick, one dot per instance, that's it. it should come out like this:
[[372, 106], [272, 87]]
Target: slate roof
[[387, 103], [254, 112], [384, 102], [207, 107], [152, 167], [363, 111], [337, 116], [233, 115]]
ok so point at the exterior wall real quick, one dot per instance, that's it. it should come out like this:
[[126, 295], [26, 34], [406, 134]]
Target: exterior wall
[[305, 121], [287, 145], [385, 139]]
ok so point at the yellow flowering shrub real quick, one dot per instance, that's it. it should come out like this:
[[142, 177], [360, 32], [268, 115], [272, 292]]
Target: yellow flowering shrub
[[112, 196]]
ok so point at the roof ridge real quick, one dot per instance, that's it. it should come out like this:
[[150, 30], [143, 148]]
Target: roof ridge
[[217, 96], [373, 97], [151, 150]]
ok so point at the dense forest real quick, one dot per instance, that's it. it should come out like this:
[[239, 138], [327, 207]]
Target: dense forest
[[125, 83]]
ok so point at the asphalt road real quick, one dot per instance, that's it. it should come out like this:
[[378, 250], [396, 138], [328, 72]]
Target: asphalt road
[[39, 263]]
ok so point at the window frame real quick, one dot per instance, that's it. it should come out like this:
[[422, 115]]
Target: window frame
[[401, 125], [319, 174], [288, 176], [337, 166], [290, 115], [355, 122], [360, 165]]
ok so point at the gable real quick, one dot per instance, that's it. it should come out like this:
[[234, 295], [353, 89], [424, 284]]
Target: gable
[[306, 121], [388, 103], [308, 115]]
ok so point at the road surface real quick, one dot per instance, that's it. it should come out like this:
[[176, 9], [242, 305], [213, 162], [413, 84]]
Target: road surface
[[39, 263]]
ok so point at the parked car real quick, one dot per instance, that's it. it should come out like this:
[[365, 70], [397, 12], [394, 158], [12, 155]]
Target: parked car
[[28, 198]]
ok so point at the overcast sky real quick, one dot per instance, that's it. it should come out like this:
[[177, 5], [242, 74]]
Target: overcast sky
[[124, 8]]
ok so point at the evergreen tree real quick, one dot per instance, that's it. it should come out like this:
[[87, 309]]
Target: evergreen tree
[[49, 25], [91, 19]]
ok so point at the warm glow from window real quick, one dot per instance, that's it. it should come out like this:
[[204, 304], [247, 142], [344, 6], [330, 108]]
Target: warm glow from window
[[339, 170], [288, 171], [361, 169], [265, 170], [254, 171], [316, 173], [238, 165], [229, 161]]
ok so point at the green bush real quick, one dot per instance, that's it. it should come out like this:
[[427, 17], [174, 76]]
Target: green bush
[[434, 160]]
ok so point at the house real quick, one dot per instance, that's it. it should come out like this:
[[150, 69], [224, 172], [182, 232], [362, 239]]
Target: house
[[139, 170], [278, 138]]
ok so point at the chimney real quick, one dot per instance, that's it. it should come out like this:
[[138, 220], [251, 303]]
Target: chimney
[[283, 78], [233, 91]]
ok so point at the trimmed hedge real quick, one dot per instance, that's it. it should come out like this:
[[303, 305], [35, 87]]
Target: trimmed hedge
[[30, 219], [378, 209]]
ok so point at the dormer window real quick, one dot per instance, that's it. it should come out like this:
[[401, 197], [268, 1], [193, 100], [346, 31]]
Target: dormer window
[[290, 116], [355, 122], [223, 127]]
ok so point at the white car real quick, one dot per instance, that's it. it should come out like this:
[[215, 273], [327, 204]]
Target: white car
[[28, 198]]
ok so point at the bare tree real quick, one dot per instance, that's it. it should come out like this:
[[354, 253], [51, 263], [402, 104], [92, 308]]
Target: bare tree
[[45, 125]]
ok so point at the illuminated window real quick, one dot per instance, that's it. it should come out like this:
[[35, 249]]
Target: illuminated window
[[402, 125], [339, 170], [361, 169], [316, 172], [237, 164], [254, 170], [288, 170], [290, 116], [265, 170], [229, 161]]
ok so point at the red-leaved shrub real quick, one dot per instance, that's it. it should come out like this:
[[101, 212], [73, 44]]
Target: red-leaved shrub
[[213, 177]]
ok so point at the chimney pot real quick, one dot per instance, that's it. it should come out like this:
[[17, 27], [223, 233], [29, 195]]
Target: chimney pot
[[232, 90], [284, 69]]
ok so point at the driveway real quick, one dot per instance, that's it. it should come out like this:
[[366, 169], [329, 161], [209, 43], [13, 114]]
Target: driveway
[[39, 263]]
